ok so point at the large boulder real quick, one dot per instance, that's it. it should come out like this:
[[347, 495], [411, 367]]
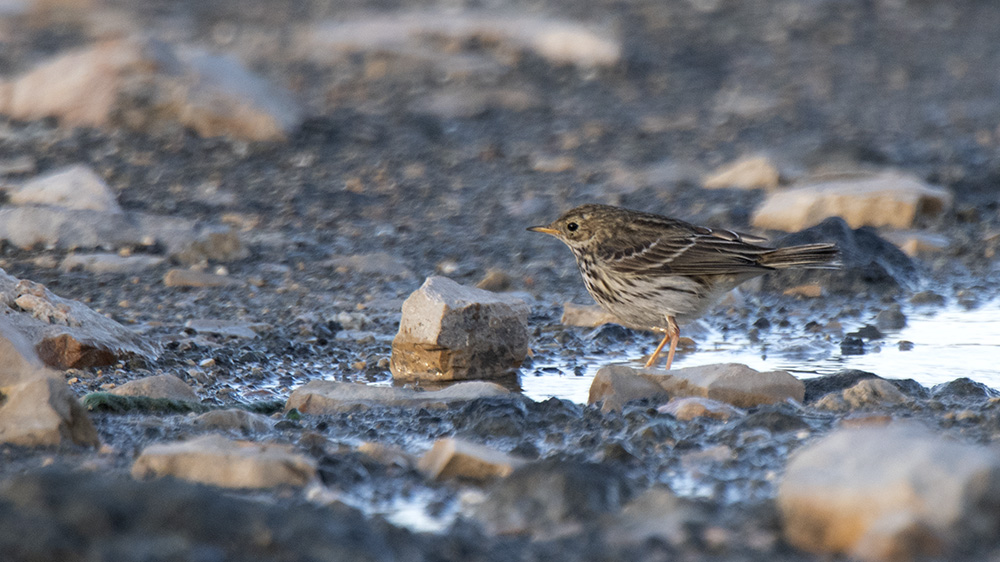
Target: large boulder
[[452, 332], [894, 492]]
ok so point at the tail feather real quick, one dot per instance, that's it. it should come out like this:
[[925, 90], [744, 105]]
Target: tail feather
[[809, 256]]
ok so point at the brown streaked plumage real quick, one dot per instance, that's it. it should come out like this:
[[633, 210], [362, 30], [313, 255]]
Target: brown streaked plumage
[[648, 270]]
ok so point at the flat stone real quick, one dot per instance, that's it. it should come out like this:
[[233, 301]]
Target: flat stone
[[616, 385], [378, 263], [227, 328], [452, 332], [887, 199], [691, 407], [110, 263], [158, 386], [318, 397], [757, 172], [218, 461], [457, 458], [732, 383], [71, 187], [560, 41], [585, 316], [894, 492], [197, 279], [874, 392], [233, 419]]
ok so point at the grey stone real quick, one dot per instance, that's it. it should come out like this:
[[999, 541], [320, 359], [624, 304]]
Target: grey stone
[[235, 420], [110, 263], [615, 385], [327, 397], [732, 383], [158, 386], [71, 187], [873, 392]]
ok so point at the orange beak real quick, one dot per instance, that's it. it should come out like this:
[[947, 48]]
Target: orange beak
[[544, 230]]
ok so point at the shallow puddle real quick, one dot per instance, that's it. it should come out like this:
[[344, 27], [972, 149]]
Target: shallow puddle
[[944, 344]]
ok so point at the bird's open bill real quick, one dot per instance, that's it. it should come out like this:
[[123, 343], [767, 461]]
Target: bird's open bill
[[543, 230]]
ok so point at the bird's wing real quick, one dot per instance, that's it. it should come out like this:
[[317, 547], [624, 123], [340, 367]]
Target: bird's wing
[[685, 251]]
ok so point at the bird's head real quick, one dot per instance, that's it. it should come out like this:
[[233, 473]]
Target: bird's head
[[578, 227]]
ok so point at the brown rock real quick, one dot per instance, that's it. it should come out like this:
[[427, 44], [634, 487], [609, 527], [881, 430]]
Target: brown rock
[[158, 386], [452, 332], [191, 278], [733, 383], [615, 385], [66, 352], [457, 458], [233, 419], [218, 461], [320, 397], [887, 199], [809, 291], [866, 393]]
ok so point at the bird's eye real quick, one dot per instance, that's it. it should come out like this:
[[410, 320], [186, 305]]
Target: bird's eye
[[572, 227]]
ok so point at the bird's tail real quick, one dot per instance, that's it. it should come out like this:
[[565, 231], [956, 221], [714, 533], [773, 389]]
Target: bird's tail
[[809, 256]]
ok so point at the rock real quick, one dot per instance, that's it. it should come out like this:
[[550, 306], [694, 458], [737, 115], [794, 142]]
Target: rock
[[887, 199], [218, 461], [225, 328], [732, 383], [914, 243], [457, 458], [318, 397], [452, 332], [496, 280], [110, 263], [200, 279], [209, 244], [866, 393], [67, 229], [64, 333], [962, 390], [868, 262], [895, 492], [233, 420], [809, 291], [890, 319], [560, 41], [379, 263], [756, 172], [586, 316], [72, 187], [691, 407], [60, 514], [541, 498], [658, 514], [158, 386], [616, 385], [44, 412], [145, 84], [37, 408]]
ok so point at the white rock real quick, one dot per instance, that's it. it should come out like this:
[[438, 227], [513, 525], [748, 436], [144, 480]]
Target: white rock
[[452, 332], [218, 461], [560, 41], [887, 199], [72, 187], [110, 263], [747, 173], [896, 492]]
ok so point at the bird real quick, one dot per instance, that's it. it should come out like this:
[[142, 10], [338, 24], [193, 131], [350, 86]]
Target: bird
[[649, 270]]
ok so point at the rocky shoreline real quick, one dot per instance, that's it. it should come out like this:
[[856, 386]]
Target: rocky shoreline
[[213, 217]]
